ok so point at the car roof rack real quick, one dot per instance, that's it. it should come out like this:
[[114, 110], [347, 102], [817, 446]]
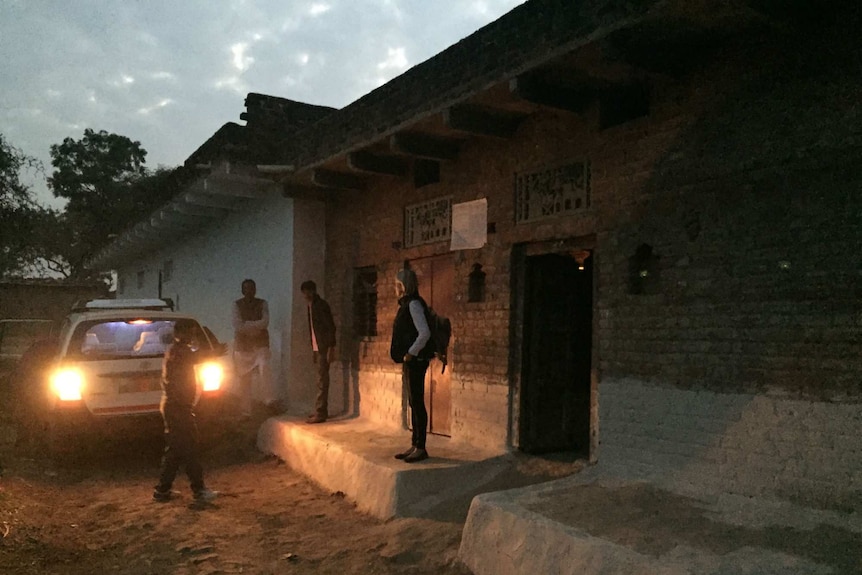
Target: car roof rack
[[152, 304]]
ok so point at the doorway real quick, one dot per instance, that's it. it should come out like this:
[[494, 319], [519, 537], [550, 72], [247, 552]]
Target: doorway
[[556, 354], [437, 287]]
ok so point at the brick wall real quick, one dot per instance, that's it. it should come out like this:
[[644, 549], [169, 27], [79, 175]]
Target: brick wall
[[36, 299], [744, 181]]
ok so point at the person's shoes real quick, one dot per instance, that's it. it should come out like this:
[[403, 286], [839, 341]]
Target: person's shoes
[[315, 419], [161, 496], [417, 455], [404, 454], [205, 495]]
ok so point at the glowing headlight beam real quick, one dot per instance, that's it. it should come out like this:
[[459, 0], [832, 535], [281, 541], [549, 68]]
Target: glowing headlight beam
[[68, 384], [210, 376]]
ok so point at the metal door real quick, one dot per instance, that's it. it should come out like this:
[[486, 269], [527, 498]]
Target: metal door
[[557, 350]]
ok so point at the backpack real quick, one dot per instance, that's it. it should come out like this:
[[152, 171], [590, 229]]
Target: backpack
[[441, 333]]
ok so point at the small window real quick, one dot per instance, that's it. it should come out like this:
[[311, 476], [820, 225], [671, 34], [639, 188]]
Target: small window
[[167, 270], [365, 302], [141, 277], [121, 285]]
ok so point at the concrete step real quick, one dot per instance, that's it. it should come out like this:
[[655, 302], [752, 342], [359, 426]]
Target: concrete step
[[355, 457], [596, 523]]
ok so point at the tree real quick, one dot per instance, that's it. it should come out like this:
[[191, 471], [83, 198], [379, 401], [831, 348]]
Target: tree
[[98, 175], [22, 219]]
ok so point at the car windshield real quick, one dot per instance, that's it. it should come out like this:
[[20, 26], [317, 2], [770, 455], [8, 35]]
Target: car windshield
[[123, 339]]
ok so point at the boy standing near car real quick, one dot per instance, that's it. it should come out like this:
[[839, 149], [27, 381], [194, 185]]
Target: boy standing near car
[[321, 328], [179, 393]]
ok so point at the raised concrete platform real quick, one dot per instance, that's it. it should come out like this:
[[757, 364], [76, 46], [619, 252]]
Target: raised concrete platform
[[597, 523], [355, 457]]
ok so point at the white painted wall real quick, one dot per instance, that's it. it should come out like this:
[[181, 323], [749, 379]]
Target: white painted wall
[[260, 243], [746, 444]]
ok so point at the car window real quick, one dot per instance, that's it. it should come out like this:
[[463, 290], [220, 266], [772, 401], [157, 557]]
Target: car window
[[123, 339]]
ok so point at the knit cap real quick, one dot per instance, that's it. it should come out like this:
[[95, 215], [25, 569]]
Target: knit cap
[[407, 277]]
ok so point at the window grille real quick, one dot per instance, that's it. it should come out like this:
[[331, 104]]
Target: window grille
[[553, 192], [365, 302], [428, 222]]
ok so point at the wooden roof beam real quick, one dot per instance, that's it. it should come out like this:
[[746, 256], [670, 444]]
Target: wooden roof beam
[[190, 209], [238, 188], [364, 161], [299, 191], [338, 180], [207, 200], [425, 146], [552, 95], [482, 121], [622, 103]]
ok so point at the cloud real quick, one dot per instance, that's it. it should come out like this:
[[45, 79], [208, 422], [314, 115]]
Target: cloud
[[240, 61], [318, 8], [395, 60], [124, 81], [169, 73], [159, 105]]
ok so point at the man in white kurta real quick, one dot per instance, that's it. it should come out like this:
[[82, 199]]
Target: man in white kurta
[[251, 350]]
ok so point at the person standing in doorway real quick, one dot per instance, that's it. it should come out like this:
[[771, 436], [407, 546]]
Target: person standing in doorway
[[412, 348], [321, 328], [179, 392], [251, 349]]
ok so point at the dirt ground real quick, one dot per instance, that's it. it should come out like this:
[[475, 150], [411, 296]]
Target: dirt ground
[[93, 513]]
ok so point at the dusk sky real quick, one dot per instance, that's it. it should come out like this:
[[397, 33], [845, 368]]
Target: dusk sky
[[170, 73]]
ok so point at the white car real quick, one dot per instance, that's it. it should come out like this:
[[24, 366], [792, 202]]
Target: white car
[[105, 366]]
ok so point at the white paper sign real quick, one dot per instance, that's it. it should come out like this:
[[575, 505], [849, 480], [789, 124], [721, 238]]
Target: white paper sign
[[469, 225]]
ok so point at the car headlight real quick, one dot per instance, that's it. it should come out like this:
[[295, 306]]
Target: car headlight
[[210, 375], [67, 384]]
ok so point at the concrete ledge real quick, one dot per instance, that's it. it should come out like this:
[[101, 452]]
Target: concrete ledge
[[594, 523], [355, 457]]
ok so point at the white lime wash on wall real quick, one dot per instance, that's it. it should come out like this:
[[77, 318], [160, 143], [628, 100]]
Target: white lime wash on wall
[[278, 242]]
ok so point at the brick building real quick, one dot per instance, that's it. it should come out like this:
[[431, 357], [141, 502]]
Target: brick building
[[672, 261], [665, 200]]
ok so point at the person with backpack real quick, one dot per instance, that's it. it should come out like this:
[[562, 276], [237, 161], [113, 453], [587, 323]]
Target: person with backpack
[[413, 348]]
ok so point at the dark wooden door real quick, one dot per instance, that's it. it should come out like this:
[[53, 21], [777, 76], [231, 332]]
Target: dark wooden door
[[557, 340], [437, 286]]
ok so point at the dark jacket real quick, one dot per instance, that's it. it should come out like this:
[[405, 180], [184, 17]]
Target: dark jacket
[[179, 383], [404, 331], [320, 317], [251, 311]]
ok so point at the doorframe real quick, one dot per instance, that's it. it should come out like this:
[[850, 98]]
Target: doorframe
[[429, 375], [519, 255]]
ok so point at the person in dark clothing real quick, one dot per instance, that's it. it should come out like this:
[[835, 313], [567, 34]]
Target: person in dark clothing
[[179, 393], [412, 348], [321, 329]]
